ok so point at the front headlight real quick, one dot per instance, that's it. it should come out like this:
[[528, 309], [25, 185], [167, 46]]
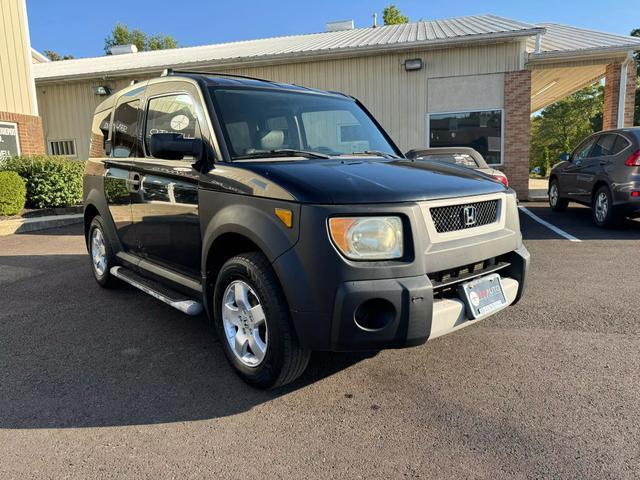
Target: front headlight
[[367, 238]]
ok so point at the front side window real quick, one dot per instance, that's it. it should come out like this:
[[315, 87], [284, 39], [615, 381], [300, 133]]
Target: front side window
[[255, 122], [481, 131], [171, 114], [584, 149], [126, 129]]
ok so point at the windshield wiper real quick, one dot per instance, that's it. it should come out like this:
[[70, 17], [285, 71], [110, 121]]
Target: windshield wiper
[[377, 153], [283, 152]]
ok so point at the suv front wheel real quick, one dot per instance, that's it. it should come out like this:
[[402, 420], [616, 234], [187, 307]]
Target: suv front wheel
[[253, 323], [556, 202]]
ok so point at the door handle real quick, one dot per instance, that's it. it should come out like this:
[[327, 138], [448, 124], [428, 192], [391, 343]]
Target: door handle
[[578, 163], [603, 162], [134, 182]]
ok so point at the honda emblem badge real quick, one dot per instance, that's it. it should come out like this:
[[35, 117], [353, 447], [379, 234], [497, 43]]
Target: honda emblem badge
[[469, 216]]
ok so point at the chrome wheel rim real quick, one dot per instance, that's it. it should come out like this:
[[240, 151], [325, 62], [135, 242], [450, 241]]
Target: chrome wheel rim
[[245, 324], [553, 194], [602, 206], [98, 252]]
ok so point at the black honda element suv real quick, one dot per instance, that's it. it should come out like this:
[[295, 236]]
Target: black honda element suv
[[292, 219]]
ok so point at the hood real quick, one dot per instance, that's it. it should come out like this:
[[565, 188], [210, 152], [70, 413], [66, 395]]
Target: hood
[[346, 181]]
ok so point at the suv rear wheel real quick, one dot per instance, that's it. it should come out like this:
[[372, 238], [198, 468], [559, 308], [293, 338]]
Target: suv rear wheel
[[604, 215], [254, 324], [101, 253], [556, 203]]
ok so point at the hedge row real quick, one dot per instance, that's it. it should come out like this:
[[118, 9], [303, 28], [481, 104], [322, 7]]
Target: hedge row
[[51, 181]]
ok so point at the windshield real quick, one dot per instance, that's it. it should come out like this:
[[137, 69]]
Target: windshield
[[461, 159], [257, 123]]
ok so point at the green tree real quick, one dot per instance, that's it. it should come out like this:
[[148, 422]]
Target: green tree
[[55, 56], [561, 126], [122, 35], [391, 15]]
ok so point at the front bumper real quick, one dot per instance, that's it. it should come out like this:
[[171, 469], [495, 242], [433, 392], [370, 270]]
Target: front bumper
[[409, 313]]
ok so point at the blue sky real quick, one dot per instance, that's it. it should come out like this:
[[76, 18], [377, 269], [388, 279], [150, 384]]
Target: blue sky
[[78, 27]]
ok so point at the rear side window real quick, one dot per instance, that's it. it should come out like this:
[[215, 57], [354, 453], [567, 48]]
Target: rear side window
[[126, 120], [171, 114], [620, 145], [604, 146], [99, 133]]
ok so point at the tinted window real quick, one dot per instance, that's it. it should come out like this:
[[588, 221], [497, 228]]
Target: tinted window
[[583, 150], [126, 130], [171, 114], [604, 146], [99, 133], [256, 121], [479, 130], [621, 144]]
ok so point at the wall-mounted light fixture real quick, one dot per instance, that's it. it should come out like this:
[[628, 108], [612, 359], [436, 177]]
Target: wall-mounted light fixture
[[102, 90], [413, 64]]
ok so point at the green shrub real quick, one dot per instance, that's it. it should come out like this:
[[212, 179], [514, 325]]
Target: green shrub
[[12, 193], [50, 181]]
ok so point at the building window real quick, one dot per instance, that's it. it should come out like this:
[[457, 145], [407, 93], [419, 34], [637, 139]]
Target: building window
[[481, 130], [64, 148]]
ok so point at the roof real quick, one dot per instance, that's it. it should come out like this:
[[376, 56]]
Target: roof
[[563, 40], [557, 41], [419, 34], [37, 57]]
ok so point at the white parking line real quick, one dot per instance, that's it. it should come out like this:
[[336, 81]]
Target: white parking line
[[559, 231]]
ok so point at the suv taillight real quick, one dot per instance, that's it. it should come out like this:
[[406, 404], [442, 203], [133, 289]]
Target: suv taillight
[[633, 160], [501, 178]]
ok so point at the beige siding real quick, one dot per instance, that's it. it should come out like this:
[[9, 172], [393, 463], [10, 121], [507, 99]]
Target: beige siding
[[16, 81], [397, 98]]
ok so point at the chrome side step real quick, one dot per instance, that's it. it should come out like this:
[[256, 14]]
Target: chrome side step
[[156, 290]]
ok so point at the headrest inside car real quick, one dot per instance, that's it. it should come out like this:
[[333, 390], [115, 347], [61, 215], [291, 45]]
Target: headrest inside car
[[272, 140]]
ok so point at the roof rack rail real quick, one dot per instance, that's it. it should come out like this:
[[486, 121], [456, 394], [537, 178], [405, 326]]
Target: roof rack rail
[[171, 71]]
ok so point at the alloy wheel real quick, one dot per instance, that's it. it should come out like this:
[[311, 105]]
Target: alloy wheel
[[553, 194], [98, 252], [245, 323], [602, 207]]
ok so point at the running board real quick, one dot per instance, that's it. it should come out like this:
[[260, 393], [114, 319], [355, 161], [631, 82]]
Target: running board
[[156, 290]]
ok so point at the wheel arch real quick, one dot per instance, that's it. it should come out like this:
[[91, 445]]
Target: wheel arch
[[596, 187]]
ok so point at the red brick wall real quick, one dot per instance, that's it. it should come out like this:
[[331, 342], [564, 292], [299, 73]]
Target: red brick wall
[[517, 123], [29, 132], [612, 95]]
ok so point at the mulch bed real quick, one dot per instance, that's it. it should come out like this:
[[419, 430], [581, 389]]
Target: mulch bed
[[43, 212]]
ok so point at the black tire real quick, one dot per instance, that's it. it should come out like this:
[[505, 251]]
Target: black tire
[[102, 276], [604, 214], [284, 359], [556, 202]]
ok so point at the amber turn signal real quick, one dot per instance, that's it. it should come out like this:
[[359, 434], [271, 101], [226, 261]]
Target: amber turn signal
[[285, 216]]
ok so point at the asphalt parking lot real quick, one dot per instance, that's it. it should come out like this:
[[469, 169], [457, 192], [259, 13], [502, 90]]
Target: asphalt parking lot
[[100, 384]]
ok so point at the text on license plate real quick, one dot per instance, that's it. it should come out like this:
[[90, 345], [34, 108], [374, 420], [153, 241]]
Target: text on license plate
[[483, 295]]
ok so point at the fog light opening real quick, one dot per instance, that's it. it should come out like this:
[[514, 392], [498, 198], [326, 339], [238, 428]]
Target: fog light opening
[[374, 314]]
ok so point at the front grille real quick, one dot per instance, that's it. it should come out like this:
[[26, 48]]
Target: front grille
[[446, 281], [458, 217]]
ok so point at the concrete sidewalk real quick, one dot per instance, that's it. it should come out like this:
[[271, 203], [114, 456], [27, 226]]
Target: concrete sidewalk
[[538, 189]]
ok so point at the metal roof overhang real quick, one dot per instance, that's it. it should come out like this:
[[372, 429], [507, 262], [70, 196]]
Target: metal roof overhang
[[557, 74], [294, 57]]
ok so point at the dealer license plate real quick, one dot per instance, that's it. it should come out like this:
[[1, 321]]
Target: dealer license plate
[[483, 295]]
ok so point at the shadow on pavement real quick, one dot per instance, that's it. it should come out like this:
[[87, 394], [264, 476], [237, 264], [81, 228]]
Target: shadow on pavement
[[75, 355], [576, 220]]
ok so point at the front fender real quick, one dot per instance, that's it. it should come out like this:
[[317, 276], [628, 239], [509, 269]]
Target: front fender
[[250, 217]]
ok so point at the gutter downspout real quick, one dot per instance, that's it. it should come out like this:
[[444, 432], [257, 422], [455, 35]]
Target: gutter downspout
[[538, 46], [622, 95]]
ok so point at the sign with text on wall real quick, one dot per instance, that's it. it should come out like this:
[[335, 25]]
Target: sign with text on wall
[[9, 142]]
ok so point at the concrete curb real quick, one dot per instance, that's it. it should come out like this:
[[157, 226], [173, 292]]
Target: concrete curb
[[25, 225]]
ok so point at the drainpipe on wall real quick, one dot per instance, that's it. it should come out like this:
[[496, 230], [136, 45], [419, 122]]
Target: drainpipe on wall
[[538, 46], [622, 96]]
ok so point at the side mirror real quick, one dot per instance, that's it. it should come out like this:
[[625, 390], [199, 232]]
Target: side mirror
[[173, 146], [565, 157]]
